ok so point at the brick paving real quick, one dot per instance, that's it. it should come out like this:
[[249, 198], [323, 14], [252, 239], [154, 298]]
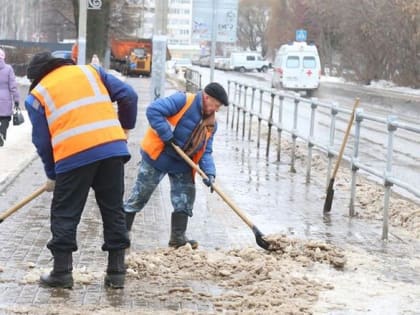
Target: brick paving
[[23, 236]]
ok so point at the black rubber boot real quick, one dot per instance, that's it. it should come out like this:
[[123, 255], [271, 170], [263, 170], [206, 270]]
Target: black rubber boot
[[61, 276], [179, 223], [129, 219], [115, 273]]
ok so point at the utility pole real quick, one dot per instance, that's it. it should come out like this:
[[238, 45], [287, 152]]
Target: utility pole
[[161, 17], [159, 43], [81, 41]]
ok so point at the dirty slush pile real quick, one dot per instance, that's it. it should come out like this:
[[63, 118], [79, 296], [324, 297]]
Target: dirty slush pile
[[245, 281]]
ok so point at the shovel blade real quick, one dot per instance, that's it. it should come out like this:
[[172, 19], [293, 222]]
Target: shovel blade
[[259, 237], [330, 196]]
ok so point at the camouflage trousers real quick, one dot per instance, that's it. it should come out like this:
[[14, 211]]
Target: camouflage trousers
[[148, 178]]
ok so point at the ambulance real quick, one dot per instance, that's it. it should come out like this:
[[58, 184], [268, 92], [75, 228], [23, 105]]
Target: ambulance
[[297, 67]]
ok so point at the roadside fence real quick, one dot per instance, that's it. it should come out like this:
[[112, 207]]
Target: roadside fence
[[278, 111], [192, 80]]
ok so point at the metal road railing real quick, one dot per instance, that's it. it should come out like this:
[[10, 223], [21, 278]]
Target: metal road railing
[[279, 111], [192, 80]]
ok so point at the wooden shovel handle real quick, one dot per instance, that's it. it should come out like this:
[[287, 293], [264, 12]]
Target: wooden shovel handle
[[346, 136], [21, 203], [215, 187]]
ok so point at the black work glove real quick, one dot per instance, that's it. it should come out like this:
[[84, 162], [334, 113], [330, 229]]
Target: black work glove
[[16, 104], [169, 149], [209, 181], [168, 143]]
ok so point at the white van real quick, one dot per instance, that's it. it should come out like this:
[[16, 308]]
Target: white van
[[297, 67], [247, 61]]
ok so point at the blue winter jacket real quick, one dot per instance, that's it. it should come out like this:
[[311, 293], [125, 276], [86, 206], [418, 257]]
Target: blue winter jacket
[[119, 92], [157, 112]]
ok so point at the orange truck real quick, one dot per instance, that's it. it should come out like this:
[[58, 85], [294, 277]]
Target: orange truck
[[132, 57]]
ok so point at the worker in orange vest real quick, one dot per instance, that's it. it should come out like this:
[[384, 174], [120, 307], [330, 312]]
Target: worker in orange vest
[[82, 142], [188, 120]]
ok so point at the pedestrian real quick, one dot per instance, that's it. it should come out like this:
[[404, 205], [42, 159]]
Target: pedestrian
[[95, 60], [189, 121], [9, 95], [82, 143], [75, 52]]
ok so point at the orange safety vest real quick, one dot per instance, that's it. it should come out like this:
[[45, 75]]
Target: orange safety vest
[[78, 109], [153, 145]]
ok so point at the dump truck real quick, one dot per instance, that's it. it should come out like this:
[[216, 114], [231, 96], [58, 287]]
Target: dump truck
[[132, 57]]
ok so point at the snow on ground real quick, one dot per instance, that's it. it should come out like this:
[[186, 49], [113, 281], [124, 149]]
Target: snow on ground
[[381, 84]]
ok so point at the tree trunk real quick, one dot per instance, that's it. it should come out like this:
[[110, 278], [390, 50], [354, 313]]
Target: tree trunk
[[97, 31]]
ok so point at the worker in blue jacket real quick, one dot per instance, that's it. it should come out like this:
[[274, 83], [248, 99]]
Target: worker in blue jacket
[[189, 121]]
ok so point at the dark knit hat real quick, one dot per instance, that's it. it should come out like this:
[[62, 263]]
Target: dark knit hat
[[217, 91], [37, 64]]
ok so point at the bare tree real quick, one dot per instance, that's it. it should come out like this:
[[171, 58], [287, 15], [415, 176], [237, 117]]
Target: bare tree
[[252, 24], [286, 16], [58, 20], [20, 19], [115, 18]]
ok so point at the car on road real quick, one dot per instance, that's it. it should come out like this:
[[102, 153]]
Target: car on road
[[247, 61], [180, 64], [66, 54]]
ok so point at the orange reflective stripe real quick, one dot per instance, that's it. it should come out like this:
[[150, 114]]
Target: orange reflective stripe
[[151, 143], [82, 142], [80, 116]]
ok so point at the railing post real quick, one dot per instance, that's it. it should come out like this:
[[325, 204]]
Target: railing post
[[251, 113], [260, 118], [270, 124], [228, 108], [355, 159], [244, 110], [238, 109], [314, 105], [234, 104], [280, 126], [334, 112], [391, 123], [294, 133]]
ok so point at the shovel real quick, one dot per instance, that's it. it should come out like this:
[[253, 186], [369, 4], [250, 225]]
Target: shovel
[[258, 235], [21, 203], [330, 189]]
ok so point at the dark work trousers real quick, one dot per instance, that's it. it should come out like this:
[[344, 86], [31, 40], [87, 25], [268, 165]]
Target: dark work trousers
[[4, 125], [106, 177]]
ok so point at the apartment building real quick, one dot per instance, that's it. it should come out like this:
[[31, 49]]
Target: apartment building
[[178, 18]]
